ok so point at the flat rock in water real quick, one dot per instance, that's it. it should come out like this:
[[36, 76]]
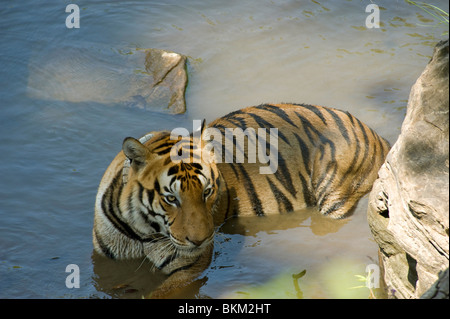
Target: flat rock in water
[[146, 78], [409, 203]]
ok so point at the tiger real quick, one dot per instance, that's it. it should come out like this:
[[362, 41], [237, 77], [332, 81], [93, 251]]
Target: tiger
[[163, 197]]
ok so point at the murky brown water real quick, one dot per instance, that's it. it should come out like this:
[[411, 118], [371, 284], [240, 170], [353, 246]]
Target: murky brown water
[[242, 53]]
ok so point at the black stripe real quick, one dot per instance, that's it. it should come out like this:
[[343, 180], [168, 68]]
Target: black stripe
[[173, 170], [151, 197], [308, 128], [154, 214], [284, 205], [155, 226], [315, 110], [238, 122], [339, 123], [167, 144], [283, 175], [105, 249], [236, 147], [148, 220], [357, 150], [228, 191], [277, 111], [233, 114], [264, 124], [305, 154], [221, 144], [167, 161], [366, 138], [150, 211], [130, 205], [157, 187], [331, 166], [111, 208], [355, 157], [197, 166], [366, 149], [373, 158], [233, 168], [163, 136], [141, 192], [308, 196], [185, 267], [164, 151], [173, 179], [145, 217], [167, 260], [335, 206], [251, 191]]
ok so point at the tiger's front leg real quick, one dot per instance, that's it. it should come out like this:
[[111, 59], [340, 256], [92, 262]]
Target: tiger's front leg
[[181, 268]]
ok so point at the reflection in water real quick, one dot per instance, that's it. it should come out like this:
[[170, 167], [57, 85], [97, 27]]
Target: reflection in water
[[135, 279], [138, 278], [125, 279], [307, 218], [295, 278]]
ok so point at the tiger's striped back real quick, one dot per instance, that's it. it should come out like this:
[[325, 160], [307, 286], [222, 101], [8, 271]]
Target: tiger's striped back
[[326, 158]]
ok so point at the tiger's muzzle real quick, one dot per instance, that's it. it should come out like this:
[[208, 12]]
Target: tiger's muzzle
[[189, 245]]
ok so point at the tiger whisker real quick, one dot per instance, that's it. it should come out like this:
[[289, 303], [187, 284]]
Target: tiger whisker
[[140, 265]]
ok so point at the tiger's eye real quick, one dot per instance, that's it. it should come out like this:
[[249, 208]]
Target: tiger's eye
[[207, 192], [171, 199]]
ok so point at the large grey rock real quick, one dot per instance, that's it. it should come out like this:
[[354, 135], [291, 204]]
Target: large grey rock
[[146, 78], [409, 203]]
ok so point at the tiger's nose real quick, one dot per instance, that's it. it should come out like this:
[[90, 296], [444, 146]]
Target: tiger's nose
[[198, 241], [195, 241]]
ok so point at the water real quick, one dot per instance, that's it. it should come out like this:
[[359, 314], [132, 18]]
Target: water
[[241, 53]]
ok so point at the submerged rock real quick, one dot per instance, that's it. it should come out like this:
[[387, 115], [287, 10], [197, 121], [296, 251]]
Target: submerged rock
[[409, 203], [147, 78], [168, 70]]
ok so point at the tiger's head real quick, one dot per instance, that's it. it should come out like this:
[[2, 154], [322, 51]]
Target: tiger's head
[[174, 199]]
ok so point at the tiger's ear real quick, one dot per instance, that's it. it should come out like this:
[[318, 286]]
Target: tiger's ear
[[135, 151]]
